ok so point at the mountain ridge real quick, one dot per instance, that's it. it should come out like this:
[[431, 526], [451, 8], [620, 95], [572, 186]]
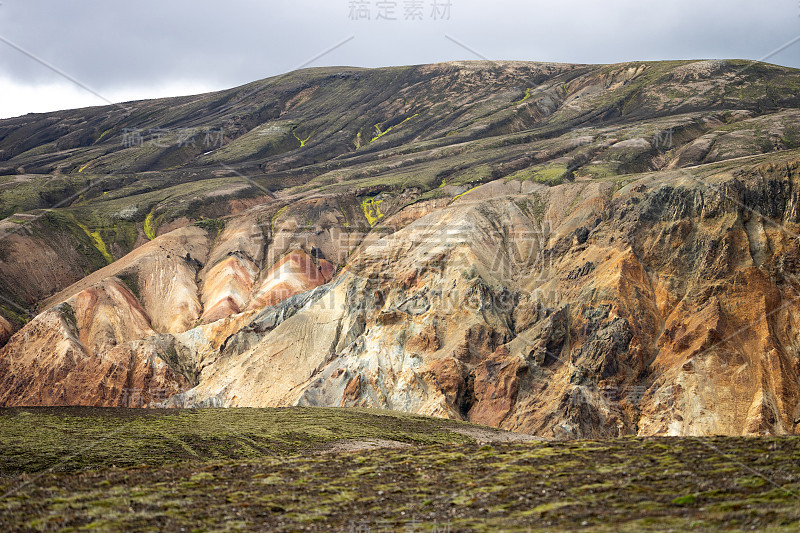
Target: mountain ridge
[[550, 248]]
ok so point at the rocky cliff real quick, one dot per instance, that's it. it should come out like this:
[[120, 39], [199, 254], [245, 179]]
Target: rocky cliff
[[564, 250]]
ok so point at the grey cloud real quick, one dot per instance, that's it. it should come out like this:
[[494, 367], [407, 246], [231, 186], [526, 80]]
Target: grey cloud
[[113, 44]]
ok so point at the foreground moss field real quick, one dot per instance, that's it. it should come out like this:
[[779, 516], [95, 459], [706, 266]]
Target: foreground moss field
[[363, 470]]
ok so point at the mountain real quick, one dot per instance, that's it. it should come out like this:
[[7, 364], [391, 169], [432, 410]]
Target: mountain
[[563, 250]]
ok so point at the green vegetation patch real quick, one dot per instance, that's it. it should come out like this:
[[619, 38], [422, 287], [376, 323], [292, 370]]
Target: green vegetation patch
[[211, 225], [97, 239], [379, 132], [549, 174], [132, 282], [371, 207], [275, 470], [149, 227], [37, 439]]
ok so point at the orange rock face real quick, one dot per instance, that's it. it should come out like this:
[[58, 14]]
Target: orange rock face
[[104, 346], [85, 352], [496, 387], [227, 288], [296, 272]]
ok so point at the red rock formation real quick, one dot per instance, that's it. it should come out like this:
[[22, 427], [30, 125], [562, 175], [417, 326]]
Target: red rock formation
[[296, 272], [85, 352]]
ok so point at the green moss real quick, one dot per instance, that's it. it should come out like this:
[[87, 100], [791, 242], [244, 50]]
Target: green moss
[[553, 506], [211, 225], [69, 314], [456, 197], [390, 128], [19, 195], [14, 314], [102, 135], [372, 210], [598, 170], [276, 216], [215, 469], [132, 282], [688, 499], [527, 95], [33, 439], [302, 141], [149, 229], [97, 240], [549, 174], [64, 223], [750, 481]]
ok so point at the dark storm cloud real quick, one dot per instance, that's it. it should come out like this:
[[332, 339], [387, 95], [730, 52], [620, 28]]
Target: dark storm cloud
[[113, 45]]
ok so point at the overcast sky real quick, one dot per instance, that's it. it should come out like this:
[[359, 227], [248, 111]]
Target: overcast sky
[[124, 50]]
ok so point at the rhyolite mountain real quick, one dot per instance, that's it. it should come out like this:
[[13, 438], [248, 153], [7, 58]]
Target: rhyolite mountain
[[564, 250]]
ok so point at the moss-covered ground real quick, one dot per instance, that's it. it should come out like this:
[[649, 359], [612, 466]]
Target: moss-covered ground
[[286, 470]]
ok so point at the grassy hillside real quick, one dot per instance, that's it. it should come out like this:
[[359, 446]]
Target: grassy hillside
[[360, 470], [38, 439]]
